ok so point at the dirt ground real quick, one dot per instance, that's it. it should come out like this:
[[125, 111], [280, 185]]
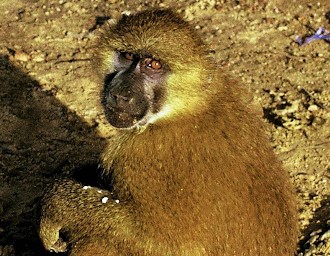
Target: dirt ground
[[49, 122]]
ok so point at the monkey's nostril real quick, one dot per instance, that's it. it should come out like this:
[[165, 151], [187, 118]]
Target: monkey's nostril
[[121, 98], [120, 101]]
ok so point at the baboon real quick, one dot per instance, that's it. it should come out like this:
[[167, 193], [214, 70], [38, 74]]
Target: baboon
[[190, 169]]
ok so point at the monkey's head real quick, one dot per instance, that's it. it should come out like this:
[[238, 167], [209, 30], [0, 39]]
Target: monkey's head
[[152, 66]]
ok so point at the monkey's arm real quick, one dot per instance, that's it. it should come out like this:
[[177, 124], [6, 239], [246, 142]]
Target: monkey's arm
[[78, 211]]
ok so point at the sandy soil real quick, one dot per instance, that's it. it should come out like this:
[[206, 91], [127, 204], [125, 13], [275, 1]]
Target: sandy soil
[[49, 123]]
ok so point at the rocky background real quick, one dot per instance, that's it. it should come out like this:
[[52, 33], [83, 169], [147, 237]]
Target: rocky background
[[49, 122]]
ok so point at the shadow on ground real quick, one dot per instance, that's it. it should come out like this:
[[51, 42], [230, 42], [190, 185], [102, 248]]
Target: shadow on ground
[[318, 225], [39, 140]]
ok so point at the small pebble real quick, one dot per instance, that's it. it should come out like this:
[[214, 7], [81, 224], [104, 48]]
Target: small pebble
[[325, 236], [117, 201], [313, 108], [86, 187], [127, 13], [105, 199], [22, 56], [39, 57], [315, 232], [313, 239]]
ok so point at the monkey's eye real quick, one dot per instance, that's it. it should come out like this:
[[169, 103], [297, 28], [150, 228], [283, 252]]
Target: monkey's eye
[[128, 55], [154, 64]]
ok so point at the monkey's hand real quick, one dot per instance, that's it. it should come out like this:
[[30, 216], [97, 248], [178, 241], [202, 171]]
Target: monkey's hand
[[74, 210]]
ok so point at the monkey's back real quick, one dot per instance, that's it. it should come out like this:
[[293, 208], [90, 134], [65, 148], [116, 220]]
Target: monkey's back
[[208, 184]]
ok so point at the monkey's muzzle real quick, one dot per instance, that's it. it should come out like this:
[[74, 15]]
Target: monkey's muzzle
[[124, 103]]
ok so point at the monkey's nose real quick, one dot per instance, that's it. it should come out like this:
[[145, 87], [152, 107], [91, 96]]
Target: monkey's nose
[[119, 101]]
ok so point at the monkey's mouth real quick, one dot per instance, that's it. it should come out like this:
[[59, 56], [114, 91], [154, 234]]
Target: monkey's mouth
[[120, 119], [125, 112]]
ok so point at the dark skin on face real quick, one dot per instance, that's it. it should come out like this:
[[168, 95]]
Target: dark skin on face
[[129, 92]]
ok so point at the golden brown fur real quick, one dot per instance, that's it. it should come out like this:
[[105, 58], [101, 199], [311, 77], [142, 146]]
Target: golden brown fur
[[201, 179]]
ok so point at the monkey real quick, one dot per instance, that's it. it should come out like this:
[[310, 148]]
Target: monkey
[[190, 168]]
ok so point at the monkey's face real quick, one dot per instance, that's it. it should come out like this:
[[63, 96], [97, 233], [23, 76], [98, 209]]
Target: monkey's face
[[133, 92], [152, 65]]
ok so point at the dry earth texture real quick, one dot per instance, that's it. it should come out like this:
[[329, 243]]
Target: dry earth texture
[[49, 124]]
